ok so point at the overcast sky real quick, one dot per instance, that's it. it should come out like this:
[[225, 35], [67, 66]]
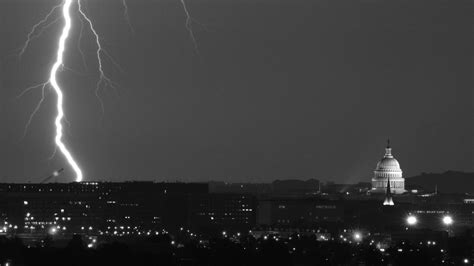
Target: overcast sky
[[277, 89]]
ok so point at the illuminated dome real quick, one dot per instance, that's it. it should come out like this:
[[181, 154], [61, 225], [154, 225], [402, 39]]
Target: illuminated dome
[[388, 168]]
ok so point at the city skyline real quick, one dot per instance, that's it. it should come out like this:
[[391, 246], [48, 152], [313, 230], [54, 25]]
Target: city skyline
[[236, 132]]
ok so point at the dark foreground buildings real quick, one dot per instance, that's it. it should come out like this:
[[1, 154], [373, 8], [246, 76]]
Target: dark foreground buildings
[[136, 208], [131, 208], [285, 210], [303, 221]]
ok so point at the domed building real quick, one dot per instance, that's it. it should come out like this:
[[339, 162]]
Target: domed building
[[388, 168]]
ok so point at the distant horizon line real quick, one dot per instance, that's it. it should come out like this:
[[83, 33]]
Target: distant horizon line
[[219, 181]]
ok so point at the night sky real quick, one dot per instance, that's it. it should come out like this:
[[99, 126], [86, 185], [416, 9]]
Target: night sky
[[279, 89]]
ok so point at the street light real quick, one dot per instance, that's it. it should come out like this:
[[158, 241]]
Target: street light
[[53, 231], [412, 220], [357, 236], [448, 220]]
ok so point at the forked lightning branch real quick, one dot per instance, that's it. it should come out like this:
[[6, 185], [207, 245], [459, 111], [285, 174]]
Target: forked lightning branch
[[104, 80]]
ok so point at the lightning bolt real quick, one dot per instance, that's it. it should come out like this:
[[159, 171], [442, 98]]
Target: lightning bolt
[[38, 105], [104, 81], [57, 89], [36, 31], [81, 32], [189, 25], [126, 15], [33, 34]]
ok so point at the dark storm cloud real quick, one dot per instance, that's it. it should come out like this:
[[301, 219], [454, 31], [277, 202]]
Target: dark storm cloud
[[279, 89]]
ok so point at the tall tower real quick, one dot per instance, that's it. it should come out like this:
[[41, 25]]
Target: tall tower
[[388, 168], [388, 195]]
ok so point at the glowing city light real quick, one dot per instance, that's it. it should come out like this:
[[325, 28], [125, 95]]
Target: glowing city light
[[412, 220], [448, 220], [53, 231], [357, 236]]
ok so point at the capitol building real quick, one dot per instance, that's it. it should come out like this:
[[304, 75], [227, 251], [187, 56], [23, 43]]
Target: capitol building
[[388, 168]]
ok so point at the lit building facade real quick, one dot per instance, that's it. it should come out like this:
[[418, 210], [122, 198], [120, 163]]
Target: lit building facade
[[291, 212], [388, 168], [210, 212], [96, 208]]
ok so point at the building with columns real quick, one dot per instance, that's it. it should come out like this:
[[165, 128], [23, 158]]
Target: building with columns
[[388, 168]]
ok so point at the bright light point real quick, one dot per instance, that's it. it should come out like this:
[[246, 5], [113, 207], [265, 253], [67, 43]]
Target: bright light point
[[447, 220], [357, 236], [466, 261], [25, 202], [52, 231], [411, 220]]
